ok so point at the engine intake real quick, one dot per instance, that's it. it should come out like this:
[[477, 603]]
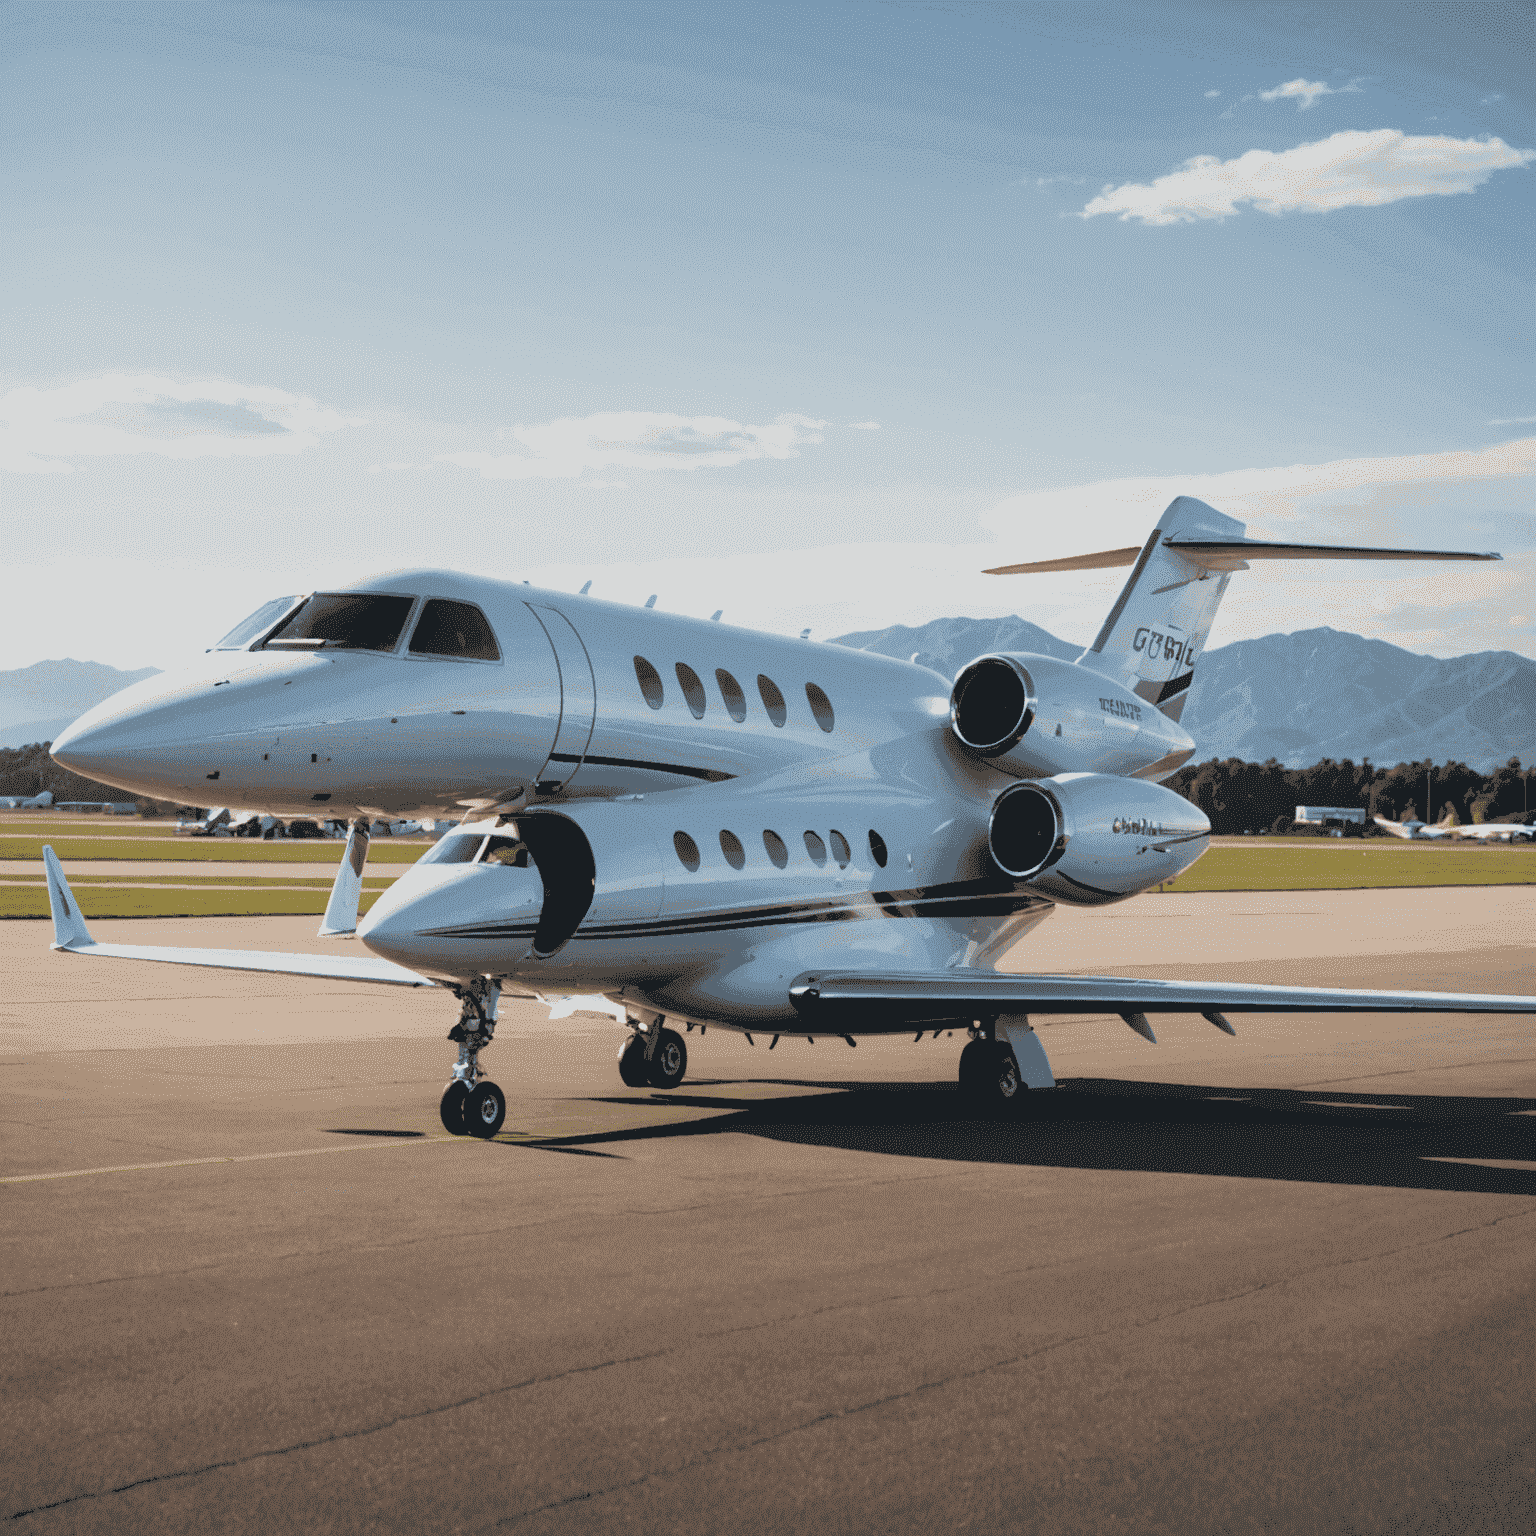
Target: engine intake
[[1026, 830], [993, 704]]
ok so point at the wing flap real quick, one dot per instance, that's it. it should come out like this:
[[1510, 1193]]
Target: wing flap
[[852, 1000]]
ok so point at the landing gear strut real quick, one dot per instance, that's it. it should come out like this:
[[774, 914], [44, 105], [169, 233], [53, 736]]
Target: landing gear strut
[[473, 1106], [653, 1055]]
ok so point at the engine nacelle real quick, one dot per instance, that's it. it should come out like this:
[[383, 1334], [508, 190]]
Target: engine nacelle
[[1089, 838], [1037, 715]]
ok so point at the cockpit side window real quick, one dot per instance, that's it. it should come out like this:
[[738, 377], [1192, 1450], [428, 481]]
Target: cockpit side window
[[355, 621], [255, 626], [454, 629]]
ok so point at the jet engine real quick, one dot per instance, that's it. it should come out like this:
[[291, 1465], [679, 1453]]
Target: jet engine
[[1037, 715], [1091, 838]]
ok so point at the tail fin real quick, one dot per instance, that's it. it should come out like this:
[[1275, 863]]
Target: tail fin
[[1159, 623]]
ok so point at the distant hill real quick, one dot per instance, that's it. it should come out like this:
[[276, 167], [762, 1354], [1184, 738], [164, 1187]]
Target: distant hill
[[37, 702], [1299, 698], [947, 644]]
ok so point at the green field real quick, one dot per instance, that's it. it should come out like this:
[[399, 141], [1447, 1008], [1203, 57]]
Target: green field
[[1341, 866], [156, 901], [223, 850]]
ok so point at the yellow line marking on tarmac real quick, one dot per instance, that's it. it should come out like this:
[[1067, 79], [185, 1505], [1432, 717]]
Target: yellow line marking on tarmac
[[250, 1157]]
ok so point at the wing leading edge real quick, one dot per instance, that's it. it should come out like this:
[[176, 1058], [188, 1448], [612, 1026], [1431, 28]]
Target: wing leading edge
[[848, 1000]]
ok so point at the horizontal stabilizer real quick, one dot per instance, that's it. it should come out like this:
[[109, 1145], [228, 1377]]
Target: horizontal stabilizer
[[72, 937], [1230, 555], [851, 1000]]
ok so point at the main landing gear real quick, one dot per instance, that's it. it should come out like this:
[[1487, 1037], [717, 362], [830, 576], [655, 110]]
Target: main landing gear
[[472, 1105], [653, 1055], [990, 1080]]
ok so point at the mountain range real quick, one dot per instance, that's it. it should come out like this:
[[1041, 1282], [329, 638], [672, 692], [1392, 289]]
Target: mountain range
[[1298, 698], [37, 702]]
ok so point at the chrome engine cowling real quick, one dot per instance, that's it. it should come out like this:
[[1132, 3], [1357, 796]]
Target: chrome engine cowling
[[1033, 715], [1091, 838]]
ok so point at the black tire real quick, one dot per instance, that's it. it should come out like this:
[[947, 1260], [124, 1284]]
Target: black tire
[[632, 1062], [669, 1062], [998, 1085], [973, 1064], [485, 1110], [452, 1108]]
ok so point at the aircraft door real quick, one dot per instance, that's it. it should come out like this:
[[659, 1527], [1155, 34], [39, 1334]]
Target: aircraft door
[[578, 700]]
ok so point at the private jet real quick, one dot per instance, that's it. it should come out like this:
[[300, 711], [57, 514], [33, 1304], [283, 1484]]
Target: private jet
[[692, 824]]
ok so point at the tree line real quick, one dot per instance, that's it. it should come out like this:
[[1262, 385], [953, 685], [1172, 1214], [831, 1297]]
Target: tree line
[[1262, 797], [29, 771]]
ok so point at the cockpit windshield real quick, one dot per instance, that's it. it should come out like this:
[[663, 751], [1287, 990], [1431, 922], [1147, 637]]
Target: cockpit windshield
[[358, 621], [252, 628], [506, 849]]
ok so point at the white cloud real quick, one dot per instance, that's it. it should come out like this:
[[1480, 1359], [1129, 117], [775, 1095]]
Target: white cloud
[[1212, 95], [648, 440], [1512, 421], [41, 430], [1519, 620], [1346, 170], [1306, 92], [865, 426]]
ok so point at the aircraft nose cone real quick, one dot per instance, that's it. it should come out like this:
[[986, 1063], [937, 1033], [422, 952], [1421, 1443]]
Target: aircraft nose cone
[[108, 751], [455, 920]]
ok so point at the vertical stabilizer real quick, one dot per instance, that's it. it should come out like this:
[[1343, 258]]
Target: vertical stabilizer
[[1159, 623]]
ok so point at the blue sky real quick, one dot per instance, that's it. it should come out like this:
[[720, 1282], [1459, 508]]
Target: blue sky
[[791, 309]]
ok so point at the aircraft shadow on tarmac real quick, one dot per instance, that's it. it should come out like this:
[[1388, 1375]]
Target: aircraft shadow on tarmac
[[1396, 1141]]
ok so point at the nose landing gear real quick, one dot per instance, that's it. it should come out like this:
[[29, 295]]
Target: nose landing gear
[[472, 1105]]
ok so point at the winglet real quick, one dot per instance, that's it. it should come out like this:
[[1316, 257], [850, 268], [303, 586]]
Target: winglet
[[69, 930], [340, 920]]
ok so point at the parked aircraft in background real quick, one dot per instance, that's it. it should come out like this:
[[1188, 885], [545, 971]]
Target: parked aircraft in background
[[703, 825], [27, 803], [1483, 832]]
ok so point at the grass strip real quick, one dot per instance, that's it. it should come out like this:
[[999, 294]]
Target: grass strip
[[208, 850], [32, 902], [198, 878], [1342, 868]]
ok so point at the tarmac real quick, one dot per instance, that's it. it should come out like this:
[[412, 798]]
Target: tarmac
[[1281, 1283]]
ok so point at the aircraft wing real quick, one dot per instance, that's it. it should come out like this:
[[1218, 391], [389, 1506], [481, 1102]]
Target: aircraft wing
[[845, 1001], [72, 936]]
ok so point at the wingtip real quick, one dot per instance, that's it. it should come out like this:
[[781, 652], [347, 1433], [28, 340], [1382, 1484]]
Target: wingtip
[[69, 930]]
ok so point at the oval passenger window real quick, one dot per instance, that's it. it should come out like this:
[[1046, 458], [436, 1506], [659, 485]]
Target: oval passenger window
[[687, 850], [650, 682], [816, 848], [821, 706], [776, 849], [773, 700], [840, 850], [730, 691], [877, 849], [693, 689], [730, 846]]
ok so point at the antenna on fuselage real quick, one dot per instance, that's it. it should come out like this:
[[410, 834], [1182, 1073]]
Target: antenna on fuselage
[[650, 602], [714, 618], [587, 588]]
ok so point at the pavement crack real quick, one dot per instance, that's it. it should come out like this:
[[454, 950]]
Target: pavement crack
[[340, 1437]]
